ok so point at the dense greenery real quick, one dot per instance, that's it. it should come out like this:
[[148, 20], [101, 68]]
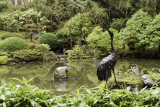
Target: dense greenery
[[100, 40], [3, 5], [133, 33], [7, 35], [135, 23], [12, 44], [50, 39], [28, 95]]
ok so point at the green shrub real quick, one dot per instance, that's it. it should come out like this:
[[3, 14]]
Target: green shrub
[[3, 59], [8, 35], [4, 54], [78, 53], [13, 44], [31, 46], [50, 39], [1, 22], [28, 55], [3, 5], [41, 48]]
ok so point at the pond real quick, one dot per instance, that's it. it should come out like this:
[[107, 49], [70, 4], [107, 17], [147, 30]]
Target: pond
[[85, 73]]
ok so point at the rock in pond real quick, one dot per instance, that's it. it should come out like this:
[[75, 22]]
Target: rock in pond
[[63, 72], [155, 70], [147, 80]]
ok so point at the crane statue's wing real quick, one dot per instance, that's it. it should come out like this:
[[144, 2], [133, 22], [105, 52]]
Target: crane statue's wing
[[104, 71]]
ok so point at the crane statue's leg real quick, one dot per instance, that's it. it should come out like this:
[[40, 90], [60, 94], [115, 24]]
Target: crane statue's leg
[[105, 85], [114, 76], [106, 79]]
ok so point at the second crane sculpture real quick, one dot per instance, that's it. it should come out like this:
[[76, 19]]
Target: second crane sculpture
[[107, 64]]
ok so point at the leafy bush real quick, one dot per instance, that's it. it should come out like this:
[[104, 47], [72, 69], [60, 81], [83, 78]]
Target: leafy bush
[[31, 46], [28, 55], [4, 54], [13, 44], [1, 22], [79, 25], [42, 48], [3, 59], [3, 5], [50, 39], [78, 53], [152, 33], [39, 47], [100, 41], [22, 20], [8, 35], [133, 33]]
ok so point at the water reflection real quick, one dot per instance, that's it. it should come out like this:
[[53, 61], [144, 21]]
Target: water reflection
[[85, 73]]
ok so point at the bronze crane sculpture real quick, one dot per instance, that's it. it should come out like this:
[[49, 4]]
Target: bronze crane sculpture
[[107, 64]]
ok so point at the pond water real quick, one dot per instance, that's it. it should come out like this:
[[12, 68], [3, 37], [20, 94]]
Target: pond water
[[85, 73]]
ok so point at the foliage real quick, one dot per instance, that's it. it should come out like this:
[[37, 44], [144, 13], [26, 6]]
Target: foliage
[[152, 33], [28, 55], [118, 24], [133, 33], [39, 47], [4, 54], [155, 76], [50, 39], [3, 59], [101, 40], [1, 22], [8, 35], [42, 48], [78, 26], [22, 20], [28, 95], [98, 15], [13, 44], [76, 53], [3, 5], [125, 8]]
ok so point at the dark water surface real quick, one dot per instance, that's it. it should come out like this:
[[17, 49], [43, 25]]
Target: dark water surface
[[85, 73]]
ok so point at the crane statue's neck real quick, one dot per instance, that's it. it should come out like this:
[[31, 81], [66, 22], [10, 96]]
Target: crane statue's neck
[[112, 48], [111, 35]]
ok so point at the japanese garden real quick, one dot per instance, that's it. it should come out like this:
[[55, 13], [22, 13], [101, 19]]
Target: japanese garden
[[79, 53]]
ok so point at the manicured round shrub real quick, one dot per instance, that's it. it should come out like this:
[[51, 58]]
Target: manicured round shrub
[[12, 44], [8, 35], [50, 39]]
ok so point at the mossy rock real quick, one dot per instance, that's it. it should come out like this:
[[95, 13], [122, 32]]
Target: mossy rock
[[3, 60], [63, 72], [124, 82]]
